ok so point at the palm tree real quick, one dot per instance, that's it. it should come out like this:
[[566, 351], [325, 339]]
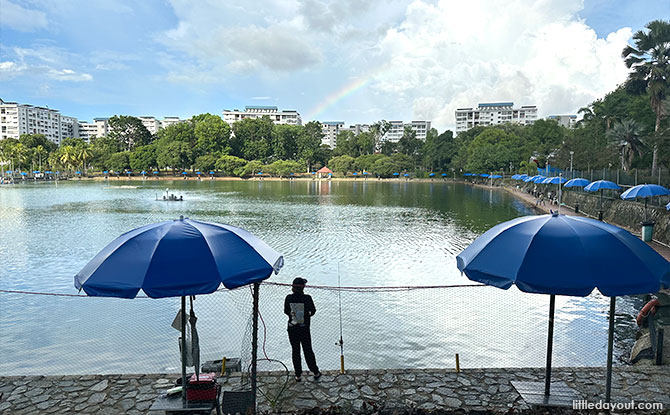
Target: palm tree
[[650, 62], [83, 155], [626, 135], [68, 156]]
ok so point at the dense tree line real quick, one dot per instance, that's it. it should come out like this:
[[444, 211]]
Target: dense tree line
[[626, 129]]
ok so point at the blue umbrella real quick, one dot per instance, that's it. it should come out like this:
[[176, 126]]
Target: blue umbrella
[[601, 185], [155, 172], [105, 172], [129, 172], [531, 178], [484, 175], [444, 174], [9, 171], [143, 172], [259, 173], [538, 179], [396, 174], [467, 174], [36, 171], [646, 191], [77, 172], [578, 182], [522, 176], [667, 207], [496, 176], [593, 254], [355, 174], [211, 172], [432, 174], [184, 172], [515, 177], [365, 173], [180, 258], [48, 172], [406, 175], [198, 173], [554, 180], [23, 173]]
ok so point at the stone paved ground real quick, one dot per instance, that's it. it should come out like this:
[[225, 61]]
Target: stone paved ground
[[474, 389]]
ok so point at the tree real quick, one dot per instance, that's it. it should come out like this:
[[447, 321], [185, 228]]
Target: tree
[[378, 131], [206, 162], [230, 165], [285, 141], [650, 62], [128, 131], [366, 161], [211, 133], [438, 150], [385, 167], [143, 158], [84, 154], [626, 136], [119, 161], [252, 138], [251, 168], [309, 143], [102, 149], [342, 164], [408, 143], [68, 156], [284, 168], [176, 155], [492, 150]]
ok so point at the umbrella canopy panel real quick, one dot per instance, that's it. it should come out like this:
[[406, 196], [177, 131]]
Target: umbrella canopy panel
[[644, 190], [159, 258], [593, 254]]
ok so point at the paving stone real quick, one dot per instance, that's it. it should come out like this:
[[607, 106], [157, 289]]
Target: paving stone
[[100, 386], [305, 403], [96, 398]]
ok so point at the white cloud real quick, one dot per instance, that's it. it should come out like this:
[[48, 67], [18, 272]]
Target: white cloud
[[19, 18], [457, 54], [68, 75], [40, 62]]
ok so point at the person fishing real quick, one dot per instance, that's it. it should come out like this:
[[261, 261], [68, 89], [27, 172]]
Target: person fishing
[[299, 308]]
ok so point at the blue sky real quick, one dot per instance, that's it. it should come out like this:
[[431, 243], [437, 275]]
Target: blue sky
[[356, 61]]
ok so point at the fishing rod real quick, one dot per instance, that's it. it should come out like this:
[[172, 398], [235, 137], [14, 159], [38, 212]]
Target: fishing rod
[[341, 342]]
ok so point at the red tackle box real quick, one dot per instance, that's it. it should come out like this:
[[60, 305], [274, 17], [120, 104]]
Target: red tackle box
[[202, 388]]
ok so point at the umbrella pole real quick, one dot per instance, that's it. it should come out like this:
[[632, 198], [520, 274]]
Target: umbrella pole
[[610, 344], [254, 347], [550, 342], [183, 349]]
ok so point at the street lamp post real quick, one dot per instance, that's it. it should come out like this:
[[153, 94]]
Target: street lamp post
[[572, 176]]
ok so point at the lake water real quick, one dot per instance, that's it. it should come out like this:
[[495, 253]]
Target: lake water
[[367, 233]]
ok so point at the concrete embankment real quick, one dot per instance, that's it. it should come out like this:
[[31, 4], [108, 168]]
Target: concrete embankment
[[470, 390]]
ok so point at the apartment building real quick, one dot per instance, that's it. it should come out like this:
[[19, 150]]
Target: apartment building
[[493, 113], [17, 119], [69, 127], [330, 130], [357, 128], [395, 133], [98, 128], [151, 123], [567, 121], [290, 117], [168, 121]]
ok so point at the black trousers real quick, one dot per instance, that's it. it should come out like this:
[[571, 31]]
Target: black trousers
[[301, 336]]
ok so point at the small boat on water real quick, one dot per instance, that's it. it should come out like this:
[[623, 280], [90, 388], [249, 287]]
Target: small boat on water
[[170, 197]]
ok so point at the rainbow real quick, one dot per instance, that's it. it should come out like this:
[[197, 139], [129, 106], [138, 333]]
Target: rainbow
[[337, 96]]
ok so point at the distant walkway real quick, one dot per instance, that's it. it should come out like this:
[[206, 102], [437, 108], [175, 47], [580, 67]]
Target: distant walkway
[[569, 210], [471, 390]]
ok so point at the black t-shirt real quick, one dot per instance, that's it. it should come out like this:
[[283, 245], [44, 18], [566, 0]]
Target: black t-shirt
[[299, 308]]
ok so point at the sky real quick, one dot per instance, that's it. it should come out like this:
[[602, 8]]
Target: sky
[[356, 61]]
